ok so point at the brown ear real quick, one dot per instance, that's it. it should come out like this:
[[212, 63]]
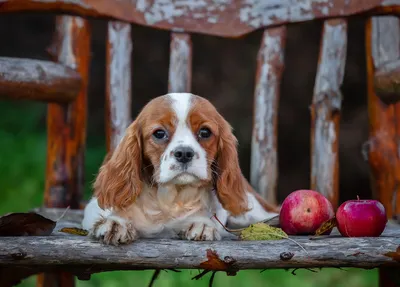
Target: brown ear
[[229, 184], [119, 181]]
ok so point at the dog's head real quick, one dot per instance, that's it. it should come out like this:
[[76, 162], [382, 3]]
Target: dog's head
[[177, 139]]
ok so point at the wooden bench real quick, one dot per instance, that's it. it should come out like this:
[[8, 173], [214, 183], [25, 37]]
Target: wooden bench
[[63, 85]]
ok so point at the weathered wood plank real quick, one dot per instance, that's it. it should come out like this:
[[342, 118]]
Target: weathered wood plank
[[57, 252], [264, 149], [118, 82], [220, 18], [325, 110], [37, 80], [66, 125], [383, 46], [180, 63]]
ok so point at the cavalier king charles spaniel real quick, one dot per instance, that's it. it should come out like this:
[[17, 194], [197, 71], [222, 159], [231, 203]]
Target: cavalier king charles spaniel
[[176, 166]]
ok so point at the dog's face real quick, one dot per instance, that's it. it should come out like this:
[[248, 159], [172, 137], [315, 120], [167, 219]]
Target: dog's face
[[182, 141], [177, 139]]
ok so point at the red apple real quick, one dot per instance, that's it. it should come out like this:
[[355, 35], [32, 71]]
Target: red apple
[[361, 218], [303, 211]]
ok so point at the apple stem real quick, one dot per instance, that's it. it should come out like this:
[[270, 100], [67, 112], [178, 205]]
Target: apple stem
[[358, 198]]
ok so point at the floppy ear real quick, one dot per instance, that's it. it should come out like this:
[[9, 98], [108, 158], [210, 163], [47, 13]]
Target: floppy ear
[[119, 180], [229, 184]]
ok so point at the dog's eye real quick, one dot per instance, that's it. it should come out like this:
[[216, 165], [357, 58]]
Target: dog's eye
[[204, 133], [160, 134]]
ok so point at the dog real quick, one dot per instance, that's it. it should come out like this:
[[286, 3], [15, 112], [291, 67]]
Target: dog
[[175, 167]]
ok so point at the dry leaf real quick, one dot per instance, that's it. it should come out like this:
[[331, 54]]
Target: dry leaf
[[262, 231], [75, 231], [26, 224], [326, 227], [215, 263], [394, 255]]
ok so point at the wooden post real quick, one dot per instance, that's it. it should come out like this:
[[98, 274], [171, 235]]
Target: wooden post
[[383, 47], [118, 82], [325, 110], [264, 152], [180, 64], [66, 125]]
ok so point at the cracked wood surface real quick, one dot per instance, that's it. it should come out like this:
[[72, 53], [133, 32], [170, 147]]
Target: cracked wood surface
[[69, 252], [264, 148], [180, 63], [118, 82], [38, 80], [325, 110], [213, 17], [383, 47], [76, 253]]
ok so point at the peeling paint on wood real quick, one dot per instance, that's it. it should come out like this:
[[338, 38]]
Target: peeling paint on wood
[[180, 64], [325, 110], [66, 126], [67, 123], [118, 82], [37, 80], [383, 47], [264, 157], [224, 18]]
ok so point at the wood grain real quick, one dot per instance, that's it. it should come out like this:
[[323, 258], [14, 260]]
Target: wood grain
[[180, 64], [37, 80], [264, 150], [212, 17], [77, 252], [66, 125], [118, 82], [387, 82], [325, 110], [383, 46]]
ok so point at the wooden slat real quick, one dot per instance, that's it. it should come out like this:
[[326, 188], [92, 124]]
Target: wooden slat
[[37, 80], [118, 82], [383, 47], [325, 110], [264, 151], [66, 125], [180, 64], [79, 254], [220, 18]]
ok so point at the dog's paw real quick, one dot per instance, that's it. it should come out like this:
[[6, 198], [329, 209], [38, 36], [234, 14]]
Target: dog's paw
[[201, 231], [114, 231]]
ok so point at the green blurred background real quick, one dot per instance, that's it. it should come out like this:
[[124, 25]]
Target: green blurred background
[[224, 72]]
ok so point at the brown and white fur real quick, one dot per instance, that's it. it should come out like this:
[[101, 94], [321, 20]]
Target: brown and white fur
[[175, 167]]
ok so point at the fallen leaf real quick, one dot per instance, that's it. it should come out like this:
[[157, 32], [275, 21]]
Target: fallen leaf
[[326, 226], [262, 231], [75, 231], [394, 255], [215, 263], [26, 224]]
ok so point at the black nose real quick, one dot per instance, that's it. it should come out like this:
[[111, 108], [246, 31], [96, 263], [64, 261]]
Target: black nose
[[183, 154]]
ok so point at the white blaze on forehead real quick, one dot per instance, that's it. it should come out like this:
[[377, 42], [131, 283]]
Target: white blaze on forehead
[[170, 169], [181, 104]]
